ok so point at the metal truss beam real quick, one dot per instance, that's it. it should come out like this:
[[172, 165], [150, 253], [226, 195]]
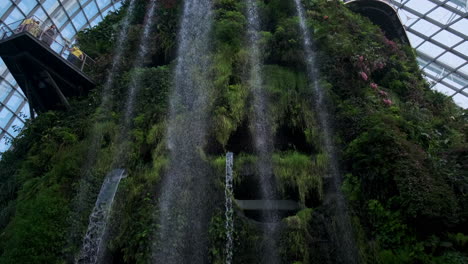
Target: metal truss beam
[[430, 20], [455, 89], [442, 29], [449, 7], [463, 77]]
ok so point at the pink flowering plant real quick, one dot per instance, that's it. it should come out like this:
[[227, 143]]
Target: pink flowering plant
[[387, 102], [363, 76]]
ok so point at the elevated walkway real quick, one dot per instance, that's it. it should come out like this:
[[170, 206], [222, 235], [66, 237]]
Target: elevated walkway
[[383, 15], [45, 76]]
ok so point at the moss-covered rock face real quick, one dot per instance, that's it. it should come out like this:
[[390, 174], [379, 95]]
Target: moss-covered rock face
[[402, 147]]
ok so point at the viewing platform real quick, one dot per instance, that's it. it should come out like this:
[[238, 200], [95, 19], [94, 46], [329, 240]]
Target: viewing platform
[[382, 14], [43, 64]]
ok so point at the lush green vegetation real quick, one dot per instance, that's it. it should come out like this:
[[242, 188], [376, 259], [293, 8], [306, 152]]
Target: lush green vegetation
[[51, 178], [403, 148], [401, 142]]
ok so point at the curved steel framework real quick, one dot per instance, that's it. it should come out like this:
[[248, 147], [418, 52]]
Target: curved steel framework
[[69, 16], [438, 30]]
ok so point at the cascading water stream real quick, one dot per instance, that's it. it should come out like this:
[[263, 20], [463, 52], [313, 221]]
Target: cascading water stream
[[93, 244], [135, 85], [228, 192], [106, 90], [117, 58], [334, 199], [94, 241], [184, 203], [96, 132], [260, 126]]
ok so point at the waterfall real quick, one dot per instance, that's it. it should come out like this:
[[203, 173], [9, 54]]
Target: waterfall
[[134, 85], [94, 242], [228, 192], [334, 198], [96, 134], [106, 96], [116, 59], [184, 206], [260, 127], [92, 249]]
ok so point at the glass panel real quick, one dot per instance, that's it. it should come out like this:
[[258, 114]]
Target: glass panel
[[20, 91], [430, 49], [96, 21], [105, 12], [59, 18], [414, 40], [5, 90], [79, 20], [14, 102], [425, 28], [27, 5], [56, 47], [4, 143], [40, 14], [461, 100], [24, 113], [90, 10], [5, 116], [447, 38], [464, 69], [460, 26], [10, 79], [458, 3], [434, 70], [118, 5], [3, 67], [71, 7], [422, 6], [443, 89], [68, 32], [4, 5], [422, 62], [442, 15], [455, 80], [103, 3], [462, 48], [451, 60], [50, 5], [15, 127], [14, 16]]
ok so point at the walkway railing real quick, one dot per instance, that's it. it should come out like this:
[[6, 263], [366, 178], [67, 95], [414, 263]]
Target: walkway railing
[[49, 36]]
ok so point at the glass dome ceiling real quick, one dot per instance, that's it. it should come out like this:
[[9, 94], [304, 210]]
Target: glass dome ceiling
[[438, 30]]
